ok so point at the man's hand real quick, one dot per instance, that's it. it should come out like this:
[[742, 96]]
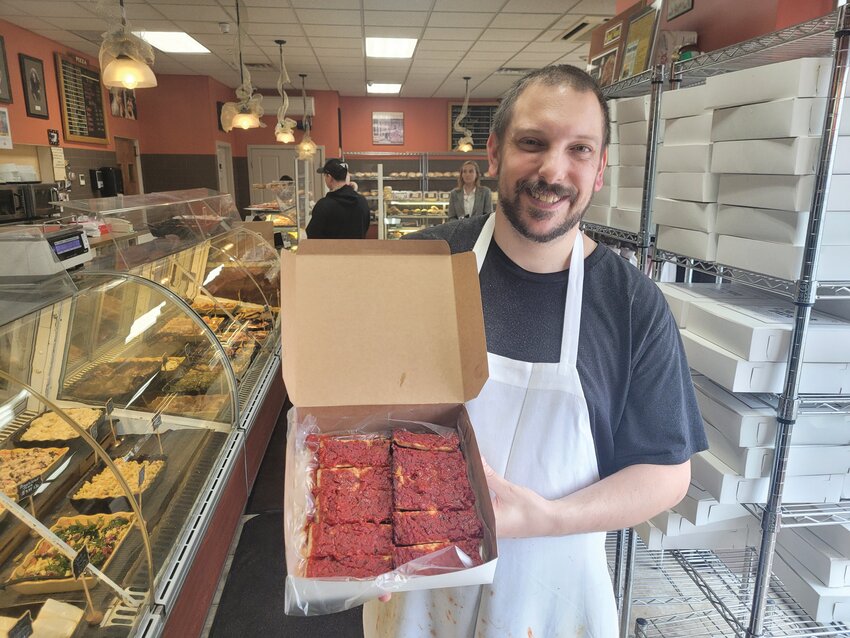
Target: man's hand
[[520, 512]]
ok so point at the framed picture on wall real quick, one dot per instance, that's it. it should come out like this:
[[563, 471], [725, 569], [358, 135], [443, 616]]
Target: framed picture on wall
[[675, 8], [5, 85], [604, 66], [35, 92], [639, 43], [5, 129], [387, 127]]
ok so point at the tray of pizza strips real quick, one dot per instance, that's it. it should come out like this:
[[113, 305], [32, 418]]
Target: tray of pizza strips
[[387, 505]]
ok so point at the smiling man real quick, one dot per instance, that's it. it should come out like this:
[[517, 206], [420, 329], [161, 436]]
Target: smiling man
[[588, 420]]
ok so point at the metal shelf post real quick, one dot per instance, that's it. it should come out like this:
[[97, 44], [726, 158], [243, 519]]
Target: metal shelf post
[[804, 300], [659, 75]]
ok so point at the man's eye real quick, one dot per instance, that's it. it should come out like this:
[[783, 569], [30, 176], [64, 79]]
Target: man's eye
[[583, 148], [530, 142]]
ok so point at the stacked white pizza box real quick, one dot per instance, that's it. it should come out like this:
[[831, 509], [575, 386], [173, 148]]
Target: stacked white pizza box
[[599, 211], [737, 340], [685, 207]]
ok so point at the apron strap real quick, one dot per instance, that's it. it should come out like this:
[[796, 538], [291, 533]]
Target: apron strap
[[575, 287]]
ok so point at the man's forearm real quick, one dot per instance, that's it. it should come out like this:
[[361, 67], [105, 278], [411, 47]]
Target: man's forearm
[[624, 499]]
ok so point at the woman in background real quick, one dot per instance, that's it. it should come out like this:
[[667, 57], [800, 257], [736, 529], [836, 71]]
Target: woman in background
[[470, 197]]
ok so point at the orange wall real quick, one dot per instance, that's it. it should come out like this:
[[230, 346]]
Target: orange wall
[[32, 130], [177, 116]]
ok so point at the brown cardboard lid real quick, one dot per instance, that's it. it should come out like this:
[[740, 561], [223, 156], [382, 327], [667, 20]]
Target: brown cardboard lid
[[381, 322]]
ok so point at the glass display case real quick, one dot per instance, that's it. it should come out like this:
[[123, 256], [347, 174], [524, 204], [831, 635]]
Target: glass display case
[[129, 390]]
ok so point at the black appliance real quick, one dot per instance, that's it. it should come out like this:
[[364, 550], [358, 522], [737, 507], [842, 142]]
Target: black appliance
[[12, 207], [37, 198], [113, 182]]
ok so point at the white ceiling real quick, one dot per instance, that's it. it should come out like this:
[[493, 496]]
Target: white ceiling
[[325, 38]]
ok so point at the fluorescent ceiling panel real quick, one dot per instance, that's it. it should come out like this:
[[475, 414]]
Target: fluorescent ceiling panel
[[375, 87], [390, 47], [172, 41]]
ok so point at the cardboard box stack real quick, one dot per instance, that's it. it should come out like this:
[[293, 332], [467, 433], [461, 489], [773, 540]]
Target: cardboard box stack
[[599, 211], [685, 207], [627, 178]]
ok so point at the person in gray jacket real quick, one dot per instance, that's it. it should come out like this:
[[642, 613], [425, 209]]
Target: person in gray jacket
[[470, 197]]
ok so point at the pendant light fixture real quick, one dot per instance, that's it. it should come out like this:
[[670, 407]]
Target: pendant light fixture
[[283, 130], [464, 144], [307, 147], [125, 59], [247, 111]]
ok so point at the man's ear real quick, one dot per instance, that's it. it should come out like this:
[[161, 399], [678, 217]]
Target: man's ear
[[492, 155], [599, 176]]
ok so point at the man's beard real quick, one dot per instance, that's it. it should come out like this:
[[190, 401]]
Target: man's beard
[[511, 207]]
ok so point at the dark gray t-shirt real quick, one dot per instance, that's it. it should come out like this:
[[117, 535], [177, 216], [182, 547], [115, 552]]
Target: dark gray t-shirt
[[630, 358]]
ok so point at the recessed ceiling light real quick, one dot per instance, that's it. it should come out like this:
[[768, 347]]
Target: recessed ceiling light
[[390, 47], [374, 87], [172, 41]]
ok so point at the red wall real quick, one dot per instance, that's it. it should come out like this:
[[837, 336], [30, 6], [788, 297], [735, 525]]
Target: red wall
[[32, 130]]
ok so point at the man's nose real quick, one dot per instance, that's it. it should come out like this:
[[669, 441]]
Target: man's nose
[[554, 166]]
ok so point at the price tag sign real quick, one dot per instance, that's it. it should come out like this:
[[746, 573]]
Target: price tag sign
[[81, 561], [22, 628], [287, 244], [28, 488], [156, 421], [141, 477], [110, 406]]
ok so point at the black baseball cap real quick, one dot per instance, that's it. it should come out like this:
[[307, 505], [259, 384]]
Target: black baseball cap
[[336, 168]]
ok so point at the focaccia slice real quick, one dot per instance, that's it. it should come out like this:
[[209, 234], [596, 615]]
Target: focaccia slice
[[347, 539], [353, 495], [436, 526], [425, 480], [470, 547], [356, 566], [432, 442], [353, 451]]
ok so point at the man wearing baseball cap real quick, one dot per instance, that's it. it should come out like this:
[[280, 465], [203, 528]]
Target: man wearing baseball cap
[[341, 214]]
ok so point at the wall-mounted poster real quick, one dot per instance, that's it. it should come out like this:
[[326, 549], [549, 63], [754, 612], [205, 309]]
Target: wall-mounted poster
[[81, 99], [387, 127], [603, 67], [35, 93], [122, 103], [675, 8], [5, 129], [613, 34], [639, 40], [5, 85]]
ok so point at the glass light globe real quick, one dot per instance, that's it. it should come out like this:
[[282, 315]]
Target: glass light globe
[[125, 72], [245, 120]]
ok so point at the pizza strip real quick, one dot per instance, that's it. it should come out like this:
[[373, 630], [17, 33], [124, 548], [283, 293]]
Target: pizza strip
[[470, 547], [415, 528], [426, 480], [348, 539], [356, 566], [353, 495], [432, 442], [353, 451]]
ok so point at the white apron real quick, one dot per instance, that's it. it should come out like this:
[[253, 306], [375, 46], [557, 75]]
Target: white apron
[[533, 427]]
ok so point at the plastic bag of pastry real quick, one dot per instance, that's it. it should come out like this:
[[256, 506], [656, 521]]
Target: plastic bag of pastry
[[376, 504]]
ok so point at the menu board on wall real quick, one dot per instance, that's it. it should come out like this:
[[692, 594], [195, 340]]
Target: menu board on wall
[[81, 99]]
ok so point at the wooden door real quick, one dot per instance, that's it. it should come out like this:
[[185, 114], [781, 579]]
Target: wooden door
[[268, 164], [125, 156]]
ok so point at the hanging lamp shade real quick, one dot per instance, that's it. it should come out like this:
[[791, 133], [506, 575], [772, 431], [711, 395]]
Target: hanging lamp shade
[[465, 143], [307, 147], [284, 127], [246, 112], [126, 60], [284, 136]]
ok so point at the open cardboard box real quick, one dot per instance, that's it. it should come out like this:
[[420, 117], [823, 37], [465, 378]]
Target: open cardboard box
[[376, 331]]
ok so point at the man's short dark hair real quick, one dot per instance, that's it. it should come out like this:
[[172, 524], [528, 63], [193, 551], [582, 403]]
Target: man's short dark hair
[[553, 75]]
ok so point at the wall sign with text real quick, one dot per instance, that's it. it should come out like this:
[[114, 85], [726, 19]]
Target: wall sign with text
[[81, 101]]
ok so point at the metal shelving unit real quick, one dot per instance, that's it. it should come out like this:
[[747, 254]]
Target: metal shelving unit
[[745, 598]]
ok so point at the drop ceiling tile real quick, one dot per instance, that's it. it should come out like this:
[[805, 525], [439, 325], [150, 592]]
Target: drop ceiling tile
[[459, 19], [393, 32], [337, 43], [216, 40], [8, 9], [555, 48], [531, 60], [385, 65], [327, 4], [197, 27], [76, 24], [539, 6], [31, 23], [509, 35], [446, 33], [340, 56], [595, 7], [523, 20], [331, 31], [264, 14], [395, 5], [485, 56], [439, 55], [273, 30], [265, 3], [393, 18], [443, 45], [190, 12], [478, 5], [51, 9], [326, 16], [485, 46]]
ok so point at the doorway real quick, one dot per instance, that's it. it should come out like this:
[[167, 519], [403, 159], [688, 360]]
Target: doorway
[[127, 158], [224, 161], [269, 163]]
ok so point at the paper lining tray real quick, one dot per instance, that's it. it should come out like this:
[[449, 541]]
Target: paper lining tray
[[113, 504], [309, 596], [100, 428], [49, 585]]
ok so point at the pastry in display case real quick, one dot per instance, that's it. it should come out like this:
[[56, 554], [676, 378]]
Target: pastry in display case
[[121, 396]]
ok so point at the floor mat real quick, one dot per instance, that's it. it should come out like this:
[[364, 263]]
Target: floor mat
[[252, 601], [267, 494]]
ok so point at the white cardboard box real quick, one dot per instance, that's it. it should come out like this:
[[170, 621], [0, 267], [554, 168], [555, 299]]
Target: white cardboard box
[[780, 156], [823, 604], [684, 158], [767, 224], [755, 462], [836, 536], [605, 196], [613, 155], [782, 192], [615, 132], [597, 214], [612, 110], [695, 129], [781, 260], [631, 176], [804, 77], [683, 102], [635, 132], [680, 295], [790, 117], [629, 198], [633, 109], [738, 375], [692, 187], [726, 486], [633, 154], [749, 420], [672, 523], [655, 539], [681, 214], [701, 508], [625, 219], [693, 243], [761, 330], [826, 563], [611, 176]]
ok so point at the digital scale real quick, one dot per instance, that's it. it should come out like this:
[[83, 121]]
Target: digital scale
[[70, 245]]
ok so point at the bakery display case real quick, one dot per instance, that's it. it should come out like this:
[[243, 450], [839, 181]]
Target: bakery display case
[[137, 393]]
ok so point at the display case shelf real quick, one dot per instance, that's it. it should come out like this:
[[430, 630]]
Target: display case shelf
[[809, 515], [631, 87]]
